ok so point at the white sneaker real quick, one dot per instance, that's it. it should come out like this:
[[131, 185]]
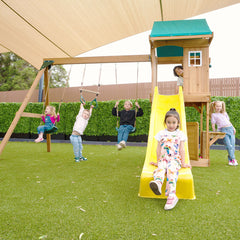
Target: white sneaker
[[171, 202], [119, 147], [234, 161], [230, 162], [156, 187], [123, 144]]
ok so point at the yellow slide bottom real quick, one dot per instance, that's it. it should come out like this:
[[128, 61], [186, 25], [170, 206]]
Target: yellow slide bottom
[[161, 104]]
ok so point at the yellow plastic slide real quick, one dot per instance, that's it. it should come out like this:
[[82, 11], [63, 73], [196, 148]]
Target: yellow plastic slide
[[161, 104]]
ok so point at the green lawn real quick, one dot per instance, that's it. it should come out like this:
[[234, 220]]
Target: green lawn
[[49, 196]]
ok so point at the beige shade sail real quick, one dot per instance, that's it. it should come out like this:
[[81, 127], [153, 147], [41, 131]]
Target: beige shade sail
[[35, 29]]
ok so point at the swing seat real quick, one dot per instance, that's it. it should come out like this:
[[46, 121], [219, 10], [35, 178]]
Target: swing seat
[[133, 130], [51, 130]]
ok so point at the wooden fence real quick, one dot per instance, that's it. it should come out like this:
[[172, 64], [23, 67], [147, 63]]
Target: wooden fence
[[218, 87]]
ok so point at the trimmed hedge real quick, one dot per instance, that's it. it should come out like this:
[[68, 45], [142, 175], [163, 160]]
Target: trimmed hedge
[[102, 123]]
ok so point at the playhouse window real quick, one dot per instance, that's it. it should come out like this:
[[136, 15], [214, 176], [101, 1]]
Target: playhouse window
[[195, 58]]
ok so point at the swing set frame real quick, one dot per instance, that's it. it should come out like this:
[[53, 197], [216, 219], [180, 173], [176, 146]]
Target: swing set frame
[[45, 71]]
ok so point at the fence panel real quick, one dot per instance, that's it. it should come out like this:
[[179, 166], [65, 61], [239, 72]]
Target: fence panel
[[226, 87]]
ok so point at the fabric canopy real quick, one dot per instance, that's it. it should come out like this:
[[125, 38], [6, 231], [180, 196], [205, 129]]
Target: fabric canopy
[[35, 29]]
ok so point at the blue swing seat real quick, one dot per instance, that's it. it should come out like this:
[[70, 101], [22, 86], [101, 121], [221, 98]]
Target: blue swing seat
[[51, 130]]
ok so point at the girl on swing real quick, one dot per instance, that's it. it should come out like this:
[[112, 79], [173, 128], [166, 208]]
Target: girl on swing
[[49, 118], [127, 120]]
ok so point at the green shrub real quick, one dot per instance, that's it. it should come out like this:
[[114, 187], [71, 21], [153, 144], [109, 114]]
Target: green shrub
[[102, 122]]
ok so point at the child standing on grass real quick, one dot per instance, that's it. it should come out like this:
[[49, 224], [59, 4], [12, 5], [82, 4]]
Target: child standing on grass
[[78, 129], [127, 120], [220, 118], [178, 72], [49, 118], [170, 158]]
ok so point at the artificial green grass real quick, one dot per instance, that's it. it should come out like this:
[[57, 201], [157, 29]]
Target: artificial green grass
[[49, 196]]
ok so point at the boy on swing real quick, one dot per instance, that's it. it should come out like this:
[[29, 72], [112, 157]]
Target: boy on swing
[[127, 120]]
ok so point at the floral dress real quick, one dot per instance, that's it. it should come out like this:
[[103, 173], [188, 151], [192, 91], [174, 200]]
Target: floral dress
[[170, 159]]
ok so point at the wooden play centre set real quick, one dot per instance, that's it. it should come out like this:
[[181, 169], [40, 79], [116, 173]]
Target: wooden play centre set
[[184, 42]]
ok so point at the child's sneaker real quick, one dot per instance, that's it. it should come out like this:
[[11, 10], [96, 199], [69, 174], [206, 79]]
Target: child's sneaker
[[38, 140], [83, 159], [171, 202], [119, 147], [230, 162], [77, 160], [156, 187], [122, 144], [234, 161]]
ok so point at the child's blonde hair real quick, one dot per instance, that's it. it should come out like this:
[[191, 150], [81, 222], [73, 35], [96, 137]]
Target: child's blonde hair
[[52, 110], [213, 107], [86, 110], [128, 101], [172, 113]]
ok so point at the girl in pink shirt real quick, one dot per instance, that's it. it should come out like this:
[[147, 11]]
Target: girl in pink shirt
[[220, 118], [49, 118]]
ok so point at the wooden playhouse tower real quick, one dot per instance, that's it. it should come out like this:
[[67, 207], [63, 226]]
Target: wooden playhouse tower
[[186, 42]]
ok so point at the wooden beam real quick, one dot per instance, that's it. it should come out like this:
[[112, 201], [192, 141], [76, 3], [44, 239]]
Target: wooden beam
[[100, 59], [170, 60], [20, 111], [33, 115], [214, 136], [200, 163], [194, 98]]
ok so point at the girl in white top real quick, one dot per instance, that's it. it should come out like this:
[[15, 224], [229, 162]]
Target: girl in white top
[[170, 158], [78, 129], [220, 118]]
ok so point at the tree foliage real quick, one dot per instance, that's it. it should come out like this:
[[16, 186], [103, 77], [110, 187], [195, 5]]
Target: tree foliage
[[17, 74]]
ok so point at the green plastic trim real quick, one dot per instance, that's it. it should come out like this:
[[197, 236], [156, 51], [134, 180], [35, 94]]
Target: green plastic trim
[[46, 64]]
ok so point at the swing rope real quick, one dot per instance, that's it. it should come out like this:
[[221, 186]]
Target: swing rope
[[54, 128], [64, 90], [136, 109], [82, 100], [117, 127], [98, 88]]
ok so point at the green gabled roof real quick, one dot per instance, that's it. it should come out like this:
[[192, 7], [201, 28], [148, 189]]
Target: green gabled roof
[[180, 28]]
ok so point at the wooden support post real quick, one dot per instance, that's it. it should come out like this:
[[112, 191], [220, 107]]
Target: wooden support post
[[46, 94], [207, 131], [20, 111], [201, 130], [154, 71]]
